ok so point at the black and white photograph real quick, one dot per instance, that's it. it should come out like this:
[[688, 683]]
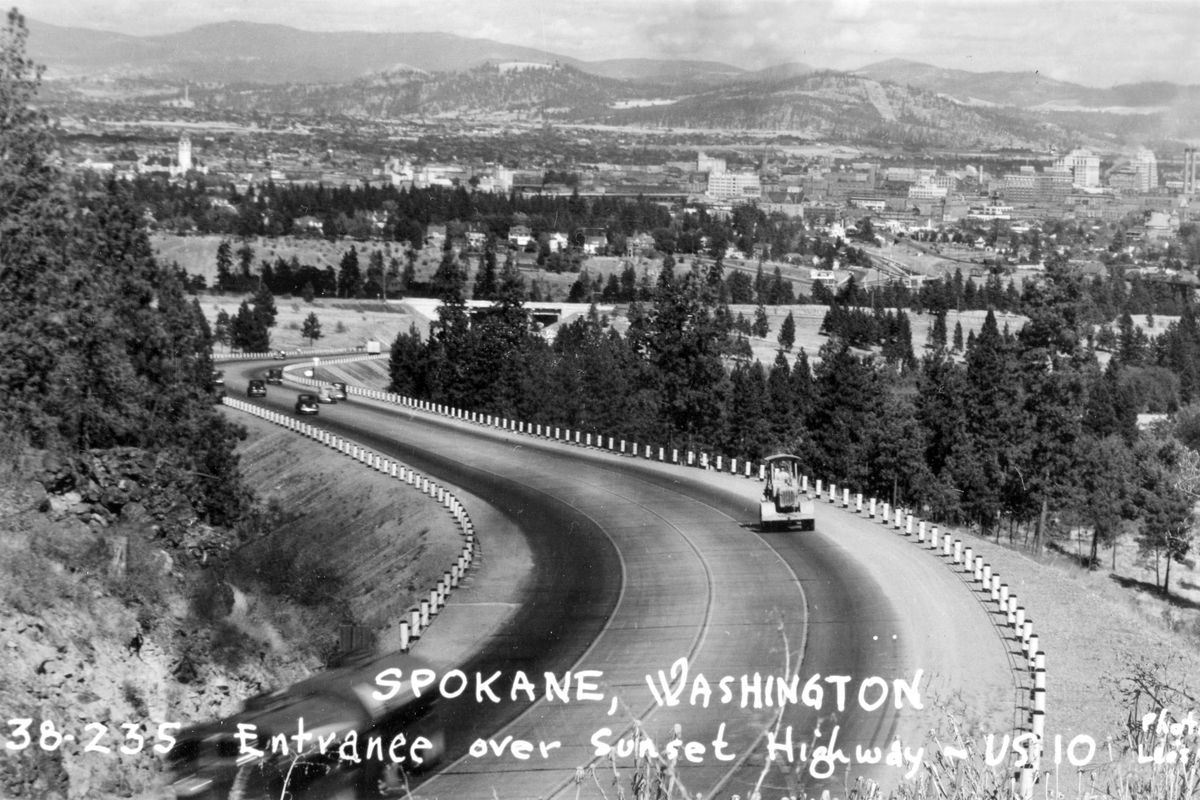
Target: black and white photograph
[[661, 400]]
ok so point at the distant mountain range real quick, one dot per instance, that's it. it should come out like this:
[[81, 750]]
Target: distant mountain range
[[245, 52], [289, 70]]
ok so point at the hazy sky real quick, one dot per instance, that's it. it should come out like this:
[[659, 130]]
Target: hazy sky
[[1093, 42]]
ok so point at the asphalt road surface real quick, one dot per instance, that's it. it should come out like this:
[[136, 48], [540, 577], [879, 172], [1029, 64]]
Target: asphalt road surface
[[636, 565]]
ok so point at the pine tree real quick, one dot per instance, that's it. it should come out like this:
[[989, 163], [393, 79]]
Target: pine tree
[[245, 260], [761, 326], [486, 279], [349, 278], [787, 332], [222, 327], [449, 280], [845, 419], [937, 336], [224, 266], [994, 429], [264, 306], [311, 328]]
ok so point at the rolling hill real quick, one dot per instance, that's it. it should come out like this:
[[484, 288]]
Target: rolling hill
[[280, 69]]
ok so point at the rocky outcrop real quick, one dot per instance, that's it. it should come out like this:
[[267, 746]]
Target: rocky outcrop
[[110, 617], [101, 488]]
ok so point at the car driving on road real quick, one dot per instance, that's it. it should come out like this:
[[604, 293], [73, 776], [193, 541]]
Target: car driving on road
[[217, 385], [239, 756], [256, 388], [307, 404], [326, 396], [338, 389], [275, 375]]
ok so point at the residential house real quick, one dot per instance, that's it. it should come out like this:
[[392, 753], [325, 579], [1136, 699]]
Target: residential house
[[594, 243], [435, 236], [520, 236], [307, 224]]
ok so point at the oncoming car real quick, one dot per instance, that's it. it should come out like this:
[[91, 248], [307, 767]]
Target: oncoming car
[[307, 404], [326, 396], [256, 388], [339, 390]]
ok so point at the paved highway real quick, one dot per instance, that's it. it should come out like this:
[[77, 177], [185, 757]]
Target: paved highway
[[636, 565]]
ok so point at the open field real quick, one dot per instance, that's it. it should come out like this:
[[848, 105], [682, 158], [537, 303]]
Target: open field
[[345, 324]]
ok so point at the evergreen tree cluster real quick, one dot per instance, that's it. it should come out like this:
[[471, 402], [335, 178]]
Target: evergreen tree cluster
[[862, 328], [99, 346]]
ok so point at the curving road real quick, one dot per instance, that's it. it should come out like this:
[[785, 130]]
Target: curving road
[[636, 565]]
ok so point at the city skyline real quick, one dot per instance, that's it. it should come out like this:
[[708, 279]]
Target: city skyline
[[1096, 44]]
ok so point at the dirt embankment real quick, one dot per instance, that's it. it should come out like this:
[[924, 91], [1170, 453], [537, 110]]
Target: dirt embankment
[[346, 535], [105, 623]]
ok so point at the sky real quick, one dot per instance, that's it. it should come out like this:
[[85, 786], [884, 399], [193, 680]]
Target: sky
[[1092, 42]]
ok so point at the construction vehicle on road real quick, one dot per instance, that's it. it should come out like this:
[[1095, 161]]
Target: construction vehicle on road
[[785, 502]]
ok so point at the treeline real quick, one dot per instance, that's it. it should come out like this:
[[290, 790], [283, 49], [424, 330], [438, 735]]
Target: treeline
[[1102, 297], [381, 211], [99, 345], [1025, 433], [387, 213]]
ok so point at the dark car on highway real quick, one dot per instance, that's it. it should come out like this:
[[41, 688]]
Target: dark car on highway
[[256, 388], [307, 404], [275, 375], [216, 386], [238, 756]]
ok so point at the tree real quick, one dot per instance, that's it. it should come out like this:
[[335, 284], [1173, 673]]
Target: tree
[[989, 462], [787, 332], [1165, 470], [848, 401], [449, 280], [485, 280], [224, 266], [222, 326], [248, 332], [349, 278], [761, 327], [685, 347], [937, 336], [311, 329], [264, 306], [1106, 496], [245, 259], [373, 285]]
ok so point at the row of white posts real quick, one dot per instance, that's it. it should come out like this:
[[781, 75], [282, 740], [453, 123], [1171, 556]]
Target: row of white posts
[[962, 558], [957, 555], [239, 356], [421, 615], [734, 466]]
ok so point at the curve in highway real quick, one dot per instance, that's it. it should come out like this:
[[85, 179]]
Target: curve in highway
[[637, 564]]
